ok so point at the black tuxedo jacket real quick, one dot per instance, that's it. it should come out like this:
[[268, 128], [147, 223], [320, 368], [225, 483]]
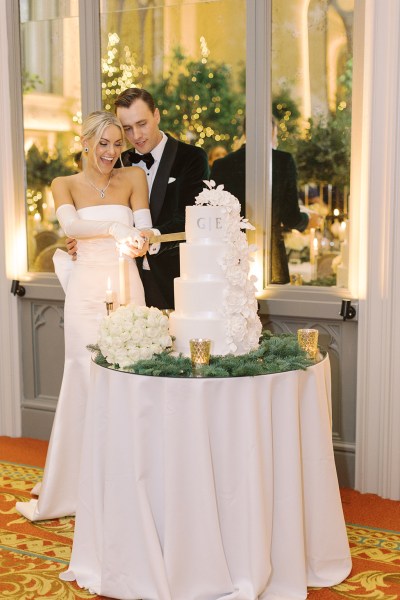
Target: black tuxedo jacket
[[231, 171], [285, 212], [179, 179]]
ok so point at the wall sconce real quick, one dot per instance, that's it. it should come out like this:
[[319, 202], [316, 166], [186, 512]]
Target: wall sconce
[[17, 288], [347, 311]]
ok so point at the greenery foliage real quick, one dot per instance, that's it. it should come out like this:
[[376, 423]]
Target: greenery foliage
[[286, 112], [196, 97], [328, 281], [322, 152], [198, 102], [42, 167], [30, 81], [276, 354]]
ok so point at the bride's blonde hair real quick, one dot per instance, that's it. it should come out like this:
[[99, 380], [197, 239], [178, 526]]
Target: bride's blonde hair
[[95, 123]]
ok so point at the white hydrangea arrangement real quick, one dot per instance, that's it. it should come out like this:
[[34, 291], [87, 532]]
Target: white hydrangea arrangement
[[240, 303], [133, 333]]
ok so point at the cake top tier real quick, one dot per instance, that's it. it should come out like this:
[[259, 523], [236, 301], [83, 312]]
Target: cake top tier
[[205, 224], [215, 216]]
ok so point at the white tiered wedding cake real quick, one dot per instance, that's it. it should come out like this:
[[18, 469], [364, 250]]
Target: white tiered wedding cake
[[215, 295]]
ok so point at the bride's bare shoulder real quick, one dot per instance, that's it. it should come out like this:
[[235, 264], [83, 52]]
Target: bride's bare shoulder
[[66, 181]]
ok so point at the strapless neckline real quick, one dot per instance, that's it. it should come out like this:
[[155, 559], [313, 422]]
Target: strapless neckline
[[104, 205]]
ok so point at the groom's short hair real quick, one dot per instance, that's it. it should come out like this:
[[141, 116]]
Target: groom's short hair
[[130, 95]]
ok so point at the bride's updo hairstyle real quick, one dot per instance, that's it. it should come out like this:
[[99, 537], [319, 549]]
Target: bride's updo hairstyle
[[95, 123]]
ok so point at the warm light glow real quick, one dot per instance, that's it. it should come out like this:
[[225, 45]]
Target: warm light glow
[[336, 212], [122, 249], [256, 269], [109, 292], [305, 62], [122, 277], [16, 266], [335, 48]]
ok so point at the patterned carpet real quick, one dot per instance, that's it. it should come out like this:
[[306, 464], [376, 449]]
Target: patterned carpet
[[33, 555]]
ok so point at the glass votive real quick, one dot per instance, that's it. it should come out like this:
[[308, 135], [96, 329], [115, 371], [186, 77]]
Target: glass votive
[[308, 341], [199, 352]]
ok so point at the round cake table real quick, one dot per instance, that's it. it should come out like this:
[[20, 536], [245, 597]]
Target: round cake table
[[209, 489]]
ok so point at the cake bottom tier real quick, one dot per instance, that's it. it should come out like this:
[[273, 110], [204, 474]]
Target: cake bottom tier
[[187, 328]]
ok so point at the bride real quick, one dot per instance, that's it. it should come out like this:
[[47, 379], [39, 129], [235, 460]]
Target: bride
[[98, 206]]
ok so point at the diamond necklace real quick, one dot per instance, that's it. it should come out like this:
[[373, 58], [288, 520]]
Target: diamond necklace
[[102, 192]]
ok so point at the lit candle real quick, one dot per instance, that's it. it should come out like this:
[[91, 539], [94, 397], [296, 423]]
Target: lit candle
[[122, 281], [38, 220], [329, 198], [342, 231], [335, 228], [312, 248], [345, 200], [109, 292]]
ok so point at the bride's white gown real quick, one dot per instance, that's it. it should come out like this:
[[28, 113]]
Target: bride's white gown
[[84, 308]]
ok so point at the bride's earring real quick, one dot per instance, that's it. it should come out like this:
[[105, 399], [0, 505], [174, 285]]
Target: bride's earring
[[86, 149]]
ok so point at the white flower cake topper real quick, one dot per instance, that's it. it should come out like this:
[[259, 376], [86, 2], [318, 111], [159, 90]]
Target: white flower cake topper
[[240, 304]]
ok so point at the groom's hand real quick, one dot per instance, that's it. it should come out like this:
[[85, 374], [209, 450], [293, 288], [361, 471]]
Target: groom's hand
[[72, 247]]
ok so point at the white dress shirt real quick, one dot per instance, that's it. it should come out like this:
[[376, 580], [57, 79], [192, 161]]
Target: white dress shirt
[[151, 174]]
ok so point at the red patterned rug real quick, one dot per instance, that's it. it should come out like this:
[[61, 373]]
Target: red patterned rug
[[32, 555]]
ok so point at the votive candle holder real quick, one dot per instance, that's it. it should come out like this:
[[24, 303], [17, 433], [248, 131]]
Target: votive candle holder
[[308, 341], [199, 352]]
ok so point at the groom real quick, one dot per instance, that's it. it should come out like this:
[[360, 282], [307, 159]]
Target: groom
[[175, 174]]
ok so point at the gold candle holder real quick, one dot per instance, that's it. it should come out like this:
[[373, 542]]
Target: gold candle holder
[[308, 341], [109, 307], [199, 353]]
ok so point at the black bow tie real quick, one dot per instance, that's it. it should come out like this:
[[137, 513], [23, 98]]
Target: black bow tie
[[147, 158]]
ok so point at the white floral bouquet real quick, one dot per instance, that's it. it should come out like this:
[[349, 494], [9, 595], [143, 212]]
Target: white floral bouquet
[[240, 304], [133, 333]]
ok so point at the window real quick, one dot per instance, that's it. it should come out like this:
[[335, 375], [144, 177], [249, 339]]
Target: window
[[311, 80], [51, 106]]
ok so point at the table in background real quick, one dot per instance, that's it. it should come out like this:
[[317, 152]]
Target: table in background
[[206, 489]]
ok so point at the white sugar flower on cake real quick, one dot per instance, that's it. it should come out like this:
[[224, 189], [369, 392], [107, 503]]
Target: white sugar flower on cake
[[243, 326], [218, 196]]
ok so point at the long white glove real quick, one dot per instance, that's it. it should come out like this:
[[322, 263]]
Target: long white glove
[[78, 228], [142, 220]]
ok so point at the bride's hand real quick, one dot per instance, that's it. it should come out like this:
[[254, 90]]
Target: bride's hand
[[131, 249], [124, 234]]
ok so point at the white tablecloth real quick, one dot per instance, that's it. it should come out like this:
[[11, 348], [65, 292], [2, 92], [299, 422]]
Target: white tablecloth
[[209, 489]]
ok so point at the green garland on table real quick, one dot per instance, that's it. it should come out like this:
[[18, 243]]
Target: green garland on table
[[275, 354]]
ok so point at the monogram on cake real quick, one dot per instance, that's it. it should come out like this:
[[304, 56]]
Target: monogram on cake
[[215, 293]]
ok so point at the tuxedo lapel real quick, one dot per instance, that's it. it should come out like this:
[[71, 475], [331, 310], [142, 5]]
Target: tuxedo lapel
[[160, 182]]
